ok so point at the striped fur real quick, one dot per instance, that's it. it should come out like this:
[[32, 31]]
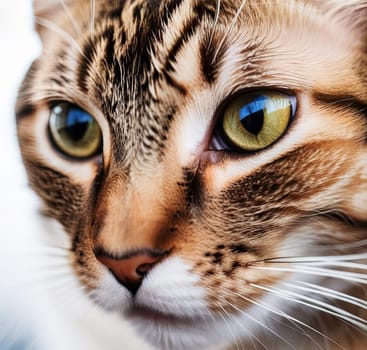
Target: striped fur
[[156, 75]]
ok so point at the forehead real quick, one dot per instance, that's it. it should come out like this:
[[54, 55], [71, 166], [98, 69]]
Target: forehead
[[124, 42]]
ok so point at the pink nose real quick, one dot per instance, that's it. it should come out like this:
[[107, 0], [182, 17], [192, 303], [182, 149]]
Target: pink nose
[[131, 270]]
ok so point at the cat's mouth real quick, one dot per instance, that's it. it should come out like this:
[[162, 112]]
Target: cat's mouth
[[159, 328]]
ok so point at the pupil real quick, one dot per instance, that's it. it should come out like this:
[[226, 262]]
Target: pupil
[[77, 124], [254, 122], [77, 131], [252, 115]]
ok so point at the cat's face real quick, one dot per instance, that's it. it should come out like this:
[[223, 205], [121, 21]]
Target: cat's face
[[224, 165]]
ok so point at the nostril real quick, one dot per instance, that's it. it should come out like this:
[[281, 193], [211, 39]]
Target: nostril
[[143, 269], [130, 268]]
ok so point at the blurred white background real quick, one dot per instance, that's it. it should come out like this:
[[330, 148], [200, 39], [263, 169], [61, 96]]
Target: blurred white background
[[19, 45]]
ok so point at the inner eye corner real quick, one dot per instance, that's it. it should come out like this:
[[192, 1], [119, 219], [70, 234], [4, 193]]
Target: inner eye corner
[[74, 132]]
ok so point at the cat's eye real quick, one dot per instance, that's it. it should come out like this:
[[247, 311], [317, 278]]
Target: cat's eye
[[74, 132], [253, 121]]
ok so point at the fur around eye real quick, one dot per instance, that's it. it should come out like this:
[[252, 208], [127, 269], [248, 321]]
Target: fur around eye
[[253, 121], [74, 132]]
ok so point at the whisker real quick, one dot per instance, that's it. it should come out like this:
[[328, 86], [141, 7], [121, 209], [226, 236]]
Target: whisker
[[254, 319], [236, 338], [217, 12], [314, 288], [31, 274], [48, 24], [287, 316], [318, 259], [346, 276], [237, 321], [318, 305], [264, 326], [297, 328], [40, 266], [71, 19], [24, 256], [92, 15], [353, 245], [340, 264], [230, 27]]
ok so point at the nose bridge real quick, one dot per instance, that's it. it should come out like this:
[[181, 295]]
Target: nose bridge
[[136, 214]]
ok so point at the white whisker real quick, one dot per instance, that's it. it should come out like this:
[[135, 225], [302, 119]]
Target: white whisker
[[318, 305], [237, 321], [35, 281], [297, 328], [236, 338], [264, 326], [217, 12], [348, 265], [48, 24], [346, 276], [319, 259], [230, 27], [71, 19], [314, 288], [269, 308], [92, 15]]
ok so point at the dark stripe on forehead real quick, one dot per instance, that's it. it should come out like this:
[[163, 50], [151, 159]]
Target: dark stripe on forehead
[[148, 31], [175, 84], [187, 32], [110, 47], [85, 64], [114, 11], [208, 8], [211, 56], [160, 20]]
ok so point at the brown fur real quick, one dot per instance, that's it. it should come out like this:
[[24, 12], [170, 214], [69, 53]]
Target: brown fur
[[219, 211]]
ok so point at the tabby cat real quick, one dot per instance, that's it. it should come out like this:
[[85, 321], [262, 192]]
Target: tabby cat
[[207, 160]]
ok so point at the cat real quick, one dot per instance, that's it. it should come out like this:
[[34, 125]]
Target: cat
[[207, 160]]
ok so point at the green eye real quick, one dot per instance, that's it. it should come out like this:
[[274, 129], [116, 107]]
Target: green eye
[[74, 132], [254, 121]]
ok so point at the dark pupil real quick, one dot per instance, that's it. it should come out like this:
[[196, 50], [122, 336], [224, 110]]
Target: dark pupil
[[77, 124], [77, 131], [252, 115], [254, 122]]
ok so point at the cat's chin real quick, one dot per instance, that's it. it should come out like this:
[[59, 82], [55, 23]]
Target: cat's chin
[[168, 331], [144, 315]]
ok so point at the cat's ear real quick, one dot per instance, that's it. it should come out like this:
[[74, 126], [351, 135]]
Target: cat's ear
[[46, 11]]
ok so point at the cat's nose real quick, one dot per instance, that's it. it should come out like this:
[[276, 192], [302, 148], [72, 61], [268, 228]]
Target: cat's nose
[[132, 267]]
